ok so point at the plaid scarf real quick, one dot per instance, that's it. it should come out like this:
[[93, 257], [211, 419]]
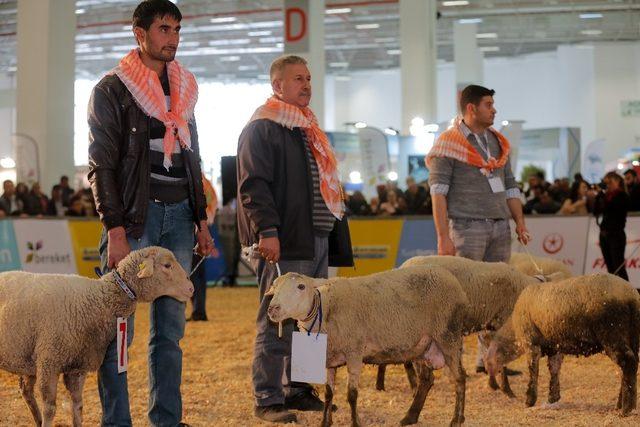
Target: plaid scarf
[[145, 87], [453, 144], [290, 116]]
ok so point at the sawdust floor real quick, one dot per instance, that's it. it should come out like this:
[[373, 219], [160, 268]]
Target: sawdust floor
[[217, 383]]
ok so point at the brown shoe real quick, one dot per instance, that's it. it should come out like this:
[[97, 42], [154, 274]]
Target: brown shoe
[[275, 414]]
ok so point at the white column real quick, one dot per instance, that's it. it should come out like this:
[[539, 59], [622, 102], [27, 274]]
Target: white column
[[418, 61], [468, 58], [304, 36], [44, 96]]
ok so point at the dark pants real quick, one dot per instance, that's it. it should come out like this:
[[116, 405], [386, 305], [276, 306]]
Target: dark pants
[[272, 355], [613, 244], [199, 298]]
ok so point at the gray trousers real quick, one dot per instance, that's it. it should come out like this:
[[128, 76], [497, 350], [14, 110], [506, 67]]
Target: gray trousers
[[272, 355], [481, 240]]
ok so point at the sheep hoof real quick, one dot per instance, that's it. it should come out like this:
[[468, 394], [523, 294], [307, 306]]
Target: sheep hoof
[[408, 420], [530, 401], [493, 383], [511, 395], [380, 387], [554, 399], [456, 422]]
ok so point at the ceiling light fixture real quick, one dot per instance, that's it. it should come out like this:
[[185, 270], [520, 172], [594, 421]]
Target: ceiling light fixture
[[337, 11], [223, 20], [590, 15], [455, 3], [487, 36], [338, 64], [490, 49], [470, 20], [394, 52], [591, 32], [367, 26]]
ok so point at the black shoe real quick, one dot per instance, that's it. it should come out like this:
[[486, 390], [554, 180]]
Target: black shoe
[[197, 318], [275, 414], [184, 425], [480, 370], [307, 401]]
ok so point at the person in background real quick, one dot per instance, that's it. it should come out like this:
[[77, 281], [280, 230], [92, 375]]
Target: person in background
[[22, 194], [633, 187], [546, 205], [611, 208], [12, 204], [416, 197], [393, 206], [56, 207], [576, 204], [76, 207], [535, 196], [535, 180], [38, 201], [356, 204], [199, 279], [67, 191]]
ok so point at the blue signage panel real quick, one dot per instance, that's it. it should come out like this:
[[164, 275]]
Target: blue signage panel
[[9, 256], [418, 238]]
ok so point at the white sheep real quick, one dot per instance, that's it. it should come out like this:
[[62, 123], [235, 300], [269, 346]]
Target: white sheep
[[412, 314], [523, 263], [62, 324], [582, 315]]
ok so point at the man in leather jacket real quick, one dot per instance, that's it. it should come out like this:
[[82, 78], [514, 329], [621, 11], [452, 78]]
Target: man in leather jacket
[[143, 202]]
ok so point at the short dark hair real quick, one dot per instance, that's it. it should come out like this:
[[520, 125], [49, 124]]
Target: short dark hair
[[473, 94], [63, 177], [632, 172], [149, 10]]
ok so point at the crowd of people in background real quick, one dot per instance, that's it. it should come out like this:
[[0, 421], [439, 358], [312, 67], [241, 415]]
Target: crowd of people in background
[[18, 200], [538, 196]]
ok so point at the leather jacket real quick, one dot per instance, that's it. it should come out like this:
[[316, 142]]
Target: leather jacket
[[119, 170]]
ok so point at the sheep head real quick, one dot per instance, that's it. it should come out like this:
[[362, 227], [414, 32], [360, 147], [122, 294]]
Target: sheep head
[[502, 350], [293, 295], [154, 272]]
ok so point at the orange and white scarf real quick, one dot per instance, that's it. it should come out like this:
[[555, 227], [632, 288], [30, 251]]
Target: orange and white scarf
[[145, 87], [290, 116], [453, 144]]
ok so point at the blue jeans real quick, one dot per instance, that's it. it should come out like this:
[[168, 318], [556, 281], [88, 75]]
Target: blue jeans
[[170, 226]]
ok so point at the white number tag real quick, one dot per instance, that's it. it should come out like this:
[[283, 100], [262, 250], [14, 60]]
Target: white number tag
[[121, 342], [497, 186], [309, 358]]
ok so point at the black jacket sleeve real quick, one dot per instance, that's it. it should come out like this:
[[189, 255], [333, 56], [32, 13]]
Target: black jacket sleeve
[[255, 175], [105, 139], [200, 198]]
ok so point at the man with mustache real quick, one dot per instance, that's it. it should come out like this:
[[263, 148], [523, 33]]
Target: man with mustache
[[145, 175], [473, 189], [289, 199]]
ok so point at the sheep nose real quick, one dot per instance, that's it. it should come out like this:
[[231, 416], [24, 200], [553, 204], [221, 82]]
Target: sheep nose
[[273, 309]]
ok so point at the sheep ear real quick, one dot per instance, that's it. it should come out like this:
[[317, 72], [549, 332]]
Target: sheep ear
[[319, 282], [145, 268], [271, 292], [554, 277]]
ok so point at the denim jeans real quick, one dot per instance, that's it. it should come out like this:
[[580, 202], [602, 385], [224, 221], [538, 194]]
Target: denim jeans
[[171, 226], [272, 355]]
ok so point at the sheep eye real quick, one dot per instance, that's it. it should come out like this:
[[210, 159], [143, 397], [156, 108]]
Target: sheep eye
[[301, 286], [167, 266]]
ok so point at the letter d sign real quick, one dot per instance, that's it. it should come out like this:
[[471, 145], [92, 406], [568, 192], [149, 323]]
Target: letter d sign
[[296, 28]]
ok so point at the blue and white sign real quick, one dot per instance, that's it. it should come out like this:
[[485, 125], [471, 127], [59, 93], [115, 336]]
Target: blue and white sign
[[418, 239], [9, 257]]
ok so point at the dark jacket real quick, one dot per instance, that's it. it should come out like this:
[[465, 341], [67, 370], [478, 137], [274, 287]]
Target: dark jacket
[[119, 170], [613, 209], [275, 190]]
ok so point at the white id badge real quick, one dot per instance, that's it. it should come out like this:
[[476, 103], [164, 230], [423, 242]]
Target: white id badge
[[497, 186], [309, 358], [121, 341]]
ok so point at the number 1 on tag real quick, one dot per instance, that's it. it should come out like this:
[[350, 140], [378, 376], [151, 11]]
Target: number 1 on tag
[[121, 342]]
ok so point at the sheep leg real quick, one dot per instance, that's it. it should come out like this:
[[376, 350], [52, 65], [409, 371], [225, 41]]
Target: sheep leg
[[493, 384], [505, 386], [26, 389], [354, 367], [533, 356], [382, 369], [628, 362], [425, 382], [554, 363], [453, 359], [328, 397], [74, 384], [411, 375], [47, 382]]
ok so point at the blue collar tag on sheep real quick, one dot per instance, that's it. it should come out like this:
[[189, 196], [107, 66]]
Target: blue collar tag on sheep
[[127, 290]]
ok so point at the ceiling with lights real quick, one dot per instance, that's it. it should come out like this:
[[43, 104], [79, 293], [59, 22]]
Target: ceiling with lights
[[237, 39]]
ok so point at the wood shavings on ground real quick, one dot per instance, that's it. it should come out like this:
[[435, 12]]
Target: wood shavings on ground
[[217, 391]]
